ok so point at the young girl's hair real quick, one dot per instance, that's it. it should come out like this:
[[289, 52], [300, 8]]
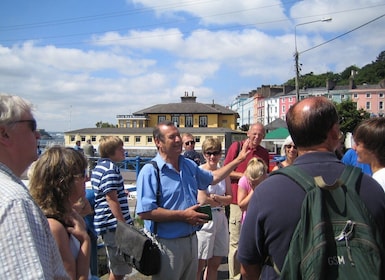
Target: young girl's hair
[[256, 168]]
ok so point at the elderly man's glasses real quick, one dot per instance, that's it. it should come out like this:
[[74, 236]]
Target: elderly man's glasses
[[32, 123], [188, 143]]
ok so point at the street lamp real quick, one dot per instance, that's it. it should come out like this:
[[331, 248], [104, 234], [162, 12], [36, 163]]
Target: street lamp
[[296, 54]]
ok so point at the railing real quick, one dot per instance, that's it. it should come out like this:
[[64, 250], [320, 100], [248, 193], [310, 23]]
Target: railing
[[129, 163]]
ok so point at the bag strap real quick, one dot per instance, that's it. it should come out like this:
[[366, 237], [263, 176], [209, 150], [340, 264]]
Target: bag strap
[[155, 165], [305, 181], [350, 176]]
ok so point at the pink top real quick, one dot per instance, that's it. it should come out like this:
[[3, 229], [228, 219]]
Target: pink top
[[244, 184]]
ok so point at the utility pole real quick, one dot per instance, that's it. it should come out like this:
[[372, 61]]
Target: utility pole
[[296, 54]]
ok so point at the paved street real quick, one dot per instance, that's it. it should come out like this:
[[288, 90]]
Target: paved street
[[223, 274]]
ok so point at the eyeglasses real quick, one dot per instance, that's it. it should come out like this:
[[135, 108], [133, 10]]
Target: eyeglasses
[[216, 153], [188, 143], [32, 123], [291, 146]]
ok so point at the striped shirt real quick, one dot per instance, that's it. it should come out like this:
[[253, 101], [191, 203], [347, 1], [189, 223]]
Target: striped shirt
[[105, 178], [28, 249]]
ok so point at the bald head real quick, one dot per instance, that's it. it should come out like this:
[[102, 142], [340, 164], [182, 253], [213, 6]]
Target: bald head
[[310, 121]]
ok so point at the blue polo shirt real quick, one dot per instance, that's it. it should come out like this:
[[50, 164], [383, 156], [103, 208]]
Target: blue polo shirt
[[179, 191]]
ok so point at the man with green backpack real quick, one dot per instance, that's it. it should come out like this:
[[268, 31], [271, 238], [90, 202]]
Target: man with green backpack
[[316, 219]]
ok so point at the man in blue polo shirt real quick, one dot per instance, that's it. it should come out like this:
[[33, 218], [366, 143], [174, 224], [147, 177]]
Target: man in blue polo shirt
[[176, 216]]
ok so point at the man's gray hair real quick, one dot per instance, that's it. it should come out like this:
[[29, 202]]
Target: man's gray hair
[[12, 108]]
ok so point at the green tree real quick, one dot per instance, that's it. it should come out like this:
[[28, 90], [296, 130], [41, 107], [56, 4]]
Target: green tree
[[349, 115], [101, 124], [345, 75], [371, 73]]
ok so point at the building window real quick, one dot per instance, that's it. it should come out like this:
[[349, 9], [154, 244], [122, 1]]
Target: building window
[[381, 105], [93, 138], [137, 139], [175, 120], [355, 95], [126, 139], [161, 118], [72, 137], [83, 138], [149, 139], [381, 95], [368, 95], [202, 121], [197, 139], [290, 99], [189, 121], [283, 109], [368, 105]]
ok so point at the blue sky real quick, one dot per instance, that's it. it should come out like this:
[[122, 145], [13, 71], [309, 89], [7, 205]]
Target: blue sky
[[80, 62]]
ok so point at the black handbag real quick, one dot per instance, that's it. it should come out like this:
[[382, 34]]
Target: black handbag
[[139, 250]]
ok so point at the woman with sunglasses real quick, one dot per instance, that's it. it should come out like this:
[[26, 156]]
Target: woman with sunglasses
[[213, 238], [57, 183], [289, 151]]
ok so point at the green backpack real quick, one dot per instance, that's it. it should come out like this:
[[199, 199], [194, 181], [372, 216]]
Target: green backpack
[[336, 237]]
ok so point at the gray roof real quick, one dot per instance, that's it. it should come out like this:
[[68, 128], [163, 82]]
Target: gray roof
[[186, 108], [277, 123]]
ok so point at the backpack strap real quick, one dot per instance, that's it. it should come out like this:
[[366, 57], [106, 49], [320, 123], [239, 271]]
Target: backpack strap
[[305, 181], [158, 192], [350, 176]]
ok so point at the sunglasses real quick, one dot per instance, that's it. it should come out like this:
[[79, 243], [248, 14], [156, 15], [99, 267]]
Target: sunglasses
[[32, 123], [188, 143], [213, 153], [291, 146]]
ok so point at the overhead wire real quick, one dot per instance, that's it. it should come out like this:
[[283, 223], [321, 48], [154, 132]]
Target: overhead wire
[[343, 34], [160, 7]]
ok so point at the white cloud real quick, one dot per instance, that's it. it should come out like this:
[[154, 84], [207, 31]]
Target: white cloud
[[218, 49]]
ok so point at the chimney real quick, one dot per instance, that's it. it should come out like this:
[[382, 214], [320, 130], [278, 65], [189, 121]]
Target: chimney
[[188, 99]]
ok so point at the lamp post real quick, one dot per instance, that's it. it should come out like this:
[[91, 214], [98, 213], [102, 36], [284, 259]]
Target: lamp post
[[296, 54]]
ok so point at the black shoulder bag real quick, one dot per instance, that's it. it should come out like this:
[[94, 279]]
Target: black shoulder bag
[[139, 250]]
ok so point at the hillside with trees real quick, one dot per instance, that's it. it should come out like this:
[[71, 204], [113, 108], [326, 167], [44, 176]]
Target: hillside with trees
[[371, 73]]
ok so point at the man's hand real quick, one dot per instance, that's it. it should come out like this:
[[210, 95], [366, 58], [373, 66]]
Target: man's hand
[[244, 151], [195, 218]]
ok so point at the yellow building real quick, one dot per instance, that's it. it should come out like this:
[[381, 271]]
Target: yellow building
[[187, 113], [202, 120]]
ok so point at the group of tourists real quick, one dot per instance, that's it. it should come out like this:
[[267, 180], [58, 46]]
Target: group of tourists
[[44, 234]]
